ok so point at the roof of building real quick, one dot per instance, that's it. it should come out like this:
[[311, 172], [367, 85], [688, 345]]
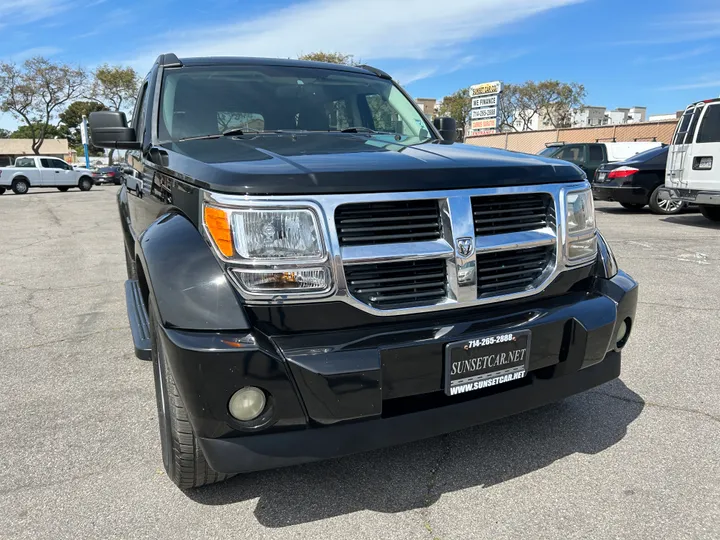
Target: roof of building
[[19, 147]]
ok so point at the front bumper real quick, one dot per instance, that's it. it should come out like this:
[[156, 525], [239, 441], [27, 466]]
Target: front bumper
[[352, 390], [621, 194]]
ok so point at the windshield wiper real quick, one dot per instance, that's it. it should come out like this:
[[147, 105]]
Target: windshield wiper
[[363, 129], [226, 133]]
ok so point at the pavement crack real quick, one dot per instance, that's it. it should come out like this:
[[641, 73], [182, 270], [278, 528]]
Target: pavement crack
[[678, 306], [689, 410], [81, 337]]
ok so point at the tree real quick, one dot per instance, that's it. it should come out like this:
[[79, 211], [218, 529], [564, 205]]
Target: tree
[[116, 88], [34, 91], [25, 132], [71, 120], [553, 101], [331, 57], [457, 106], [5, 133]]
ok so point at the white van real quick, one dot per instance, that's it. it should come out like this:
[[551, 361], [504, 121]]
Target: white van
[[693, 166]]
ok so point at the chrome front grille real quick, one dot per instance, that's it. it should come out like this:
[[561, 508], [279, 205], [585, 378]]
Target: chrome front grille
[[414, 252], [502, 214], [398, 284], [387, 222], [503, 272]]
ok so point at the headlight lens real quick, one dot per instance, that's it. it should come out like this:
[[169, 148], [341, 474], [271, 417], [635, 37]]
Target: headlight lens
[[273, 251], [580, 220], [277, 234]]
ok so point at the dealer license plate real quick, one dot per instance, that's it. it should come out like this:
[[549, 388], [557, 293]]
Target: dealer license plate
[[481, 362], [602, 177]]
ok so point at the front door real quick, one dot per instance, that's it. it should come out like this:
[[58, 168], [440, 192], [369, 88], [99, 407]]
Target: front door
[[53, 172], [574, 153]]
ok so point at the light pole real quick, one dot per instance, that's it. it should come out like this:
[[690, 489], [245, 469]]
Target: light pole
[[84, 138]]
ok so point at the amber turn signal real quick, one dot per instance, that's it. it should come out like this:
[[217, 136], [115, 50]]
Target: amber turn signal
[[218, 226]]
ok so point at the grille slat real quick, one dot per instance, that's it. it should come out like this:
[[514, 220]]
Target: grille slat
[[511, 271], [501, 214], [388, 222], [398, 284]]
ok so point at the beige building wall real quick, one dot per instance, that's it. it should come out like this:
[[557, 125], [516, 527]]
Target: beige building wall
[[532, 142]]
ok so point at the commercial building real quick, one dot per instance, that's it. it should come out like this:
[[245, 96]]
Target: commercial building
[[13, 148], [588, 116], [428, 106]]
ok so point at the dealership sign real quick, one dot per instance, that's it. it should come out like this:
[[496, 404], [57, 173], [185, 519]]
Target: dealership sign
[[485, 89], [484, 107], [487, 101]]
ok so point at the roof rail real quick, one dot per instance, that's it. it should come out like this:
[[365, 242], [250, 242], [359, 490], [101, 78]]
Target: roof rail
[[169, 60], [611, 139], [636, 139], [555, 143], [379, 72]]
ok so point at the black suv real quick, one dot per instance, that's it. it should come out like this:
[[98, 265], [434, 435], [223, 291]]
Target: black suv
[[314, 271]]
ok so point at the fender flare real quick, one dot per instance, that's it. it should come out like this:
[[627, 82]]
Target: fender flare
[[190, 288]]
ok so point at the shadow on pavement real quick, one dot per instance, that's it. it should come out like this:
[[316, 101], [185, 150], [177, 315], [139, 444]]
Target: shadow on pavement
[[415, 475], [697, 220]]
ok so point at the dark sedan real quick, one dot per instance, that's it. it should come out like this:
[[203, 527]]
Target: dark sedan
[[636, 182], [108, 175]]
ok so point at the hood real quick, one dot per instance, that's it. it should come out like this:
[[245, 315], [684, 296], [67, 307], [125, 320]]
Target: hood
[[324, 163]]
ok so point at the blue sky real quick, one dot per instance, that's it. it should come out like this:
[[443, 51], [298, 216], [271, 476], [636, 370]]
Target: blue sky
[[662, 54]]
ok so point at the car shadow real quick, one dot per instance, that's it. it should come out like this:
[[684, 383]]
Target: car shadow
[[697, 220], [621, 210], [416, 475]]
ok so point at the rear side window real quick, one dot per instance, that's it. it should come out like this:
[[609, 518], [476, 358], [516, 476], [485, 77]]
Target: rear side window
[[47, 164], [596, 153], [25, 162], [574, 153], [710, 128]]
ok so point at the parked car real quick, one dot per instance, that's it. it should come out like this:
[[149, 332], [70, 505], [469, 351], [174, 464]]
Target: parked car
[[108, 175], [43, 171], [589, 156], [637, 182], [692, 167], [327, 280]]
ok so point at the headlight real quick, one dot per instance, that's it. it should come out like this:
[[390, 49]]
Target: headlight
[[273, 251], [580, 226]]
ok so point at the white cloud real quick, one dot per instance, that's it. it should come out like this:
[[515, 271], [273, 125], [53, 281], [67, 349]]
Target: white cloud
[[705, 83], [369, 29], [19, 12], [34, 51]]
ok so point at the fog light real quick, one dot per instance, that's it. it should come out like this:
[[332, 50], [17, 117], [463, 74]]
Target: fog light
[[247, 403], [622, 334]]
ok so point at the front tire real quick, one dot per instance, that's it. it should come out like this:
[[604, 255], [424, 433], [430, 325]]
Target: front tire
[[85, 184], [711, 212], [63, 189], [664, 205], [632, 206], [20, 186], [2, 190], [183, 459]]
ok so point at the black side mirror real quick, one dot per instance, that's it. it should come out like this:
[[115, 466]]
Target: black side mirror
[[447, 128], [109, 129]]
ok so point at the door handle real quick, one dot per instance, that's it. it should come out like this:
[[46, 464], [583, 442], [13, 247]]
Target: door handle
[[57, 172]]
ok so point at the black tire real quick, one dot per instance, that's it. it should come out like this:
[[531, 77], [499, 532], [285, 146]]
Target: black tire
[[633, 206], [711, 212], [130, 265], [64, 188], [20, 186], [2, 190], [664, 205], [183, 459], [85, 183]]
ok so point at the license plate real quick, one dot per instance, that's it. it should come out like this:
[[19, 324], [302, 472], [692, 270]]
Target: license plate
[[601, 177], [481, 362]]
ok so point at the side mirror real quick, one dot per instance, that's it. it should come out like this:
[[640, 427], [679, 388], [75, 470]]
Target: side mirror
[[447, 128], [109, 129]]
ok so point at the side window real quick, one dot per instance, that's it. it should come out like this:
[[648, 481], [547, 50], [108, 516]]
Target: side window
[[384, 117], [25, 162], [572, 152], [47, 163], [140, 112], [596, 153], [709, 131], [60, 164]]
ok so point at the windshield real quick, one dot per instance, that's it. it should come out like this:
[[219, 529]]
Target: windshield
[[548, 151], [210, 100]]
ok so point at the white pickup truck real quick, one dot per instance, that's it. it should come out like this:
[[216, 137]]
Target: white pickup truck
[[43, 171]]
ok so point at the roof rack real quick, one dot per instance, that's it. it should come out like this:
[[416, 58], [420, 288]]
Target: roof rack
[[611, 139], [169, 60], [379, 72], [653, 139], [556, 143]]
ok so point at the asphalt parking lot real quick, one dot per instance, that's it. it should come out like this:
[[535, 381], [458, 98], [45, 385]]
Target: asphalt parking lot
[[80, 458]]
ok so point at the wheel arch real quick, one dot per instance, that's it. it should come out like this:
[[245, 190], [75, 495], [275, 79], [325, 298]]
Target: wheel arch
[[190, 289]]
